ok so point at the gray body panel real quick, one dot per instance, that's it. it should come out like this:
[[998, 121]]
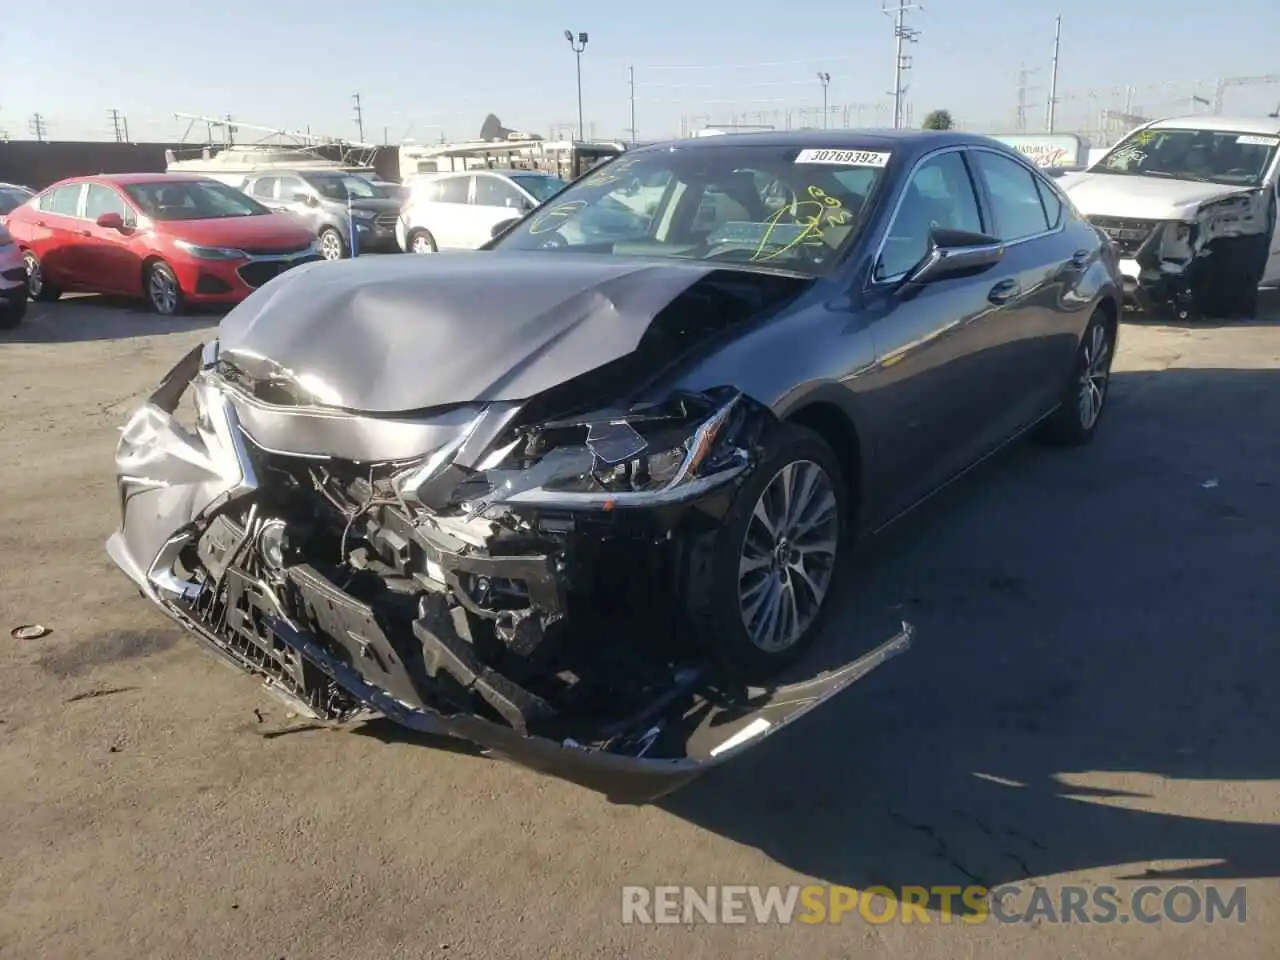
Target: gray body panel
[[394, 334]]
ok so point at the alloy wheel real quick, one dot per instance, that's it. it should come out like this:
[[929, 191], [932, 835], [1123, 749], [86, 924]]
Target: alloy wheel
[[163, 289], [421, 244], [331, 246], [35, 280], [788, 556], [1095, 375]]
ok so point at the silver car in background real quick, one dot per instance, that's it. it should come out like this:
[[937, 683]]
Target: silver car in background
[[458, 211]]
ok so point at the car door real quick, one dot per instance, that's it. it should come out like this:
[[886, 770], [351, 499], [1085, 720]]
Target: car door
[[1030, 351], [448, 216], [496, 200], [109, 262], [58, 237], [928, 389]]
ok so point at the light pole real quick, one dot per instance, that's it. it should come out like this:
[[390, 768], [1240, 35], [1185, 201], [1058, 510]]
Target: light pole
[[824, 78], [577, 45]]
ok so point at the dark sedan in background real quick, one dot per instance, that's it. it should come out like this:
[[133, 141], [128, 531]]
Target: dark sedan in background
[[410, 477]]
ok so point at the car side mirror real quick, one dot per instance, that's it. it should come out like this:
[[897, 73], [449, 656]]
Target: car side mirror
[[954, 252], [502, 227], [110, 221]]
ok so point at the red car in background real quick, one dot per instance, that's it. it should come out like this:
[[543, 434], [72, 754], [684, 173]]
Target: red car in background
[[172, 239]]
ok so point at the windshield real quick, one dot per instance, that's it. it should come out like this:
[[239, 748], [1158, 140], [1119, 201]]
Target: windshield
[[192, 200], [540, 188], [1211, 156], [11, 198], [340, 186], [771, 206]]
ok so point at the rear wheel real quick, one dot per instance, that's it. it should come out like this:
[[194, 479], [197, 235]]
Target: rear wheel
[[760, 589], [1085, 396], [163, 292], [37, 289]]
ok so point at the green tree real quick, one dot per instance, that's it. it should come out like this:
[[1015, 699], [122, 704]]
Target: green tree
[[939, 120]]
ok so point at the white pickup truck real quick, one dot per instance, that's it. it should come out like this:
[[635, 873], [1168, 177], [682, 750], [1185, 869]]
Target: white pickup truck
[[1190, 203]]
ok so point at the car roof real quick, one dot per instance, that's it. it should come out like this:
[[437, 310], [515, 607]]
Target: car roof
[[904, 142], [1239, 124], [129, 179]]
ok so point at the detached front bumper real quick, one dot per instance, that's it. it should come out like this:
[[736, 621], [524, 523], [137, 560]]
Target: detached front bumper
[[190, 523]]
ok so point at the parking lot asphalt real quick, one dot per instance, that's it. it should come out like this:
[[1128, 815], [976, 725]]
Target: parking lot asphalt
[[1090, 700]]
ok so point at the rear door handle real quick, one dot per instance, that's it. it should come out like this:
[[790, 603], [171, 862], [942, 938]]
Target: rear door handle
[[1004, 291]]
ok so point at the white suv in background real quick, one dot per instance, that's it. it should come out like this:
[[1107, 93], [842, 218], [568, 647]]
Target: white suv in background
[[458, 211]]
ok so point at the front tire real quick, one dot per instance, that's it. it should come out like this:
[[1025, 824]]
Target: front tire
[[37, 289], [422, 243], [757, 591], [163, 291], [1084, 399], [332, 246]]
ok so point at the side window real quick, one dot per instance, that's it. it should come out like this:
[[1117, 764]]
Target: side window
[[1052, 202], [100, 200], [496, 192], [939, 194], [1015, 198], [64, 200], [265, 187], [425, 191], [288, 187], [453, 189]]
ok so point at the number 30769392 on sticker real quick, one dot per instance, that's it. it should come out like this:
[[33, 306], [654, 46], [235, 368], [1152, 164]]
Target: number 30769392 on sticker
[[850, 158]]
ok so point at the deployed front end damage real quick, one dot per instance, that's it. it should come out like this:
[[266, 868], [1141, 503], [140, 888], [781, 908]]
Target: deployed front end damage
[[454, 571], [1207, 261]]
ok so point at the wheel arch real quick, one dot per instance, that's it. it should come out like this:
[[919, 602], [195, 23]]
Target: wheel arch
[[833, 424]]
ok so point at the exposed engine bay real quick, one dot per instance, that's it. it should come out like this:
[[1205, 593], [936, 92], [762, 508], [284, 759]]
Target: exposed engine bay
[[462, 569]]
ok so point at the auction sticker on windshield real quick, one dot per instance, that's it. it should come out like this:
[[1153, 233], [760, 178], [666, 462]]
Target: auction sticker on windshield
[[1256, 141], [846, 158]]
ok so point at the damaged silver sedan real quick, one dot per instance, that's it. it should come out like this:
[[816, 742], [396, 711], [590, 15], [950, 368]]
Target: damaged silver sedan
[[421, 487]]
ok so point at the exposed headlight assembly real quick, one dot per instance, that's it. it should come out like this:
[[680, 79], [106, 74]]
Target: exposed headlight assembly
[[666, 453]]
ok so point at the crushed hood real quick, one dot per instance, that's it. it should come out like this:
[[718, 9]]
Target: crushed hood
[[1141, 198], [398, 333]]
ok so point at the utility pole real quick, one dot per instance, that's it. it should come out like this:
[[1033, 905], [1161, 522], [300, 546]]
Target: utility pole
[[577, 46], [125, 123], [115, 123], [631, 81], [824, 79], [231, 132], [39, 126], [355, 98], [902, 63], [1053, 76]]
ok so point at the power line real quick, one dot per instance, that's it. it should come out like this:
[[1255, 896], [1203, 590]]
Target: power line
[[808, 61], [902, 63]]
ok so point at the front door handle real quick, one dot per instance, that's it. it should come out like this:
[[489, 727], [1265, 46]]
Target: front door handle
[[85, 233], [1004, 291]]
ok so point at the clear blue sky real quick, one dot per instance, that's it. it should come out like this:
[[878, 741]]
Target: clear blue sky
[[427, 66]]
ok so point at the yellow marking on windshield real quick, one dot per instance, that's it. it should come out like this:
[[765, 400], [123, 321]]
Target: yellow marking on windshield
[[552, 219], [813, 216]]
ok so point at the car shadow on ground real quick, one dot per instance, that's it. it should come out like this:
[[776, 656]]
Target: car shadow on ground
[[80, 319], [1093, 626]]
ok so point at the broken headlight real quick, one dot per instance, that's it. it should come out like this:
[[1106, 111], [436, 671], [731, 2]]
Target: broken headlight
[[664, 453]]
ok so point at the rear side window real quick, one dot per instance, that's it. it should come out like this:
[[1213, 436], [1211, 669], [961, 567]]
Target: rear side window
[[264, 187], [1052, 203], [63, 200], [1015, 196], [453, 189]]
